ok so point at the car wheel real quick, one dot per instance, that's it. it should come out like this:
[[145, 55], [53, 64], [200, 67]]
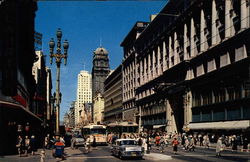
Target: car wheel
[[120, 156]]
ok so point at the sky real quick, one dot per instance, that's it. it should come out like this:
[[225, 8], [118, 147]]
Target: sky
[[87, 25]]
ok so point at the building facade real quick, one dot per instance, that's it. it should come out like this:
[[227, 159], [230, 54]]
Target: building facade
[[130, 110], [17, 85], [72, 115], [192, 67], [84, 95], [113, 96], [98, 111]]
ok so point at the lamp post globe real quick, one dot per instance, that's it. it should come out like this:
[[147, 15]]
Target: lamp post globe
[[59, 33], [66, 44]]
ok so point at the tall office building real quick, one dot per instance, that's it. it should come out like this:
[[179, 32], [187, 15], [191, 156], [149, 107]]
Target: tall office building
[[84, 95]]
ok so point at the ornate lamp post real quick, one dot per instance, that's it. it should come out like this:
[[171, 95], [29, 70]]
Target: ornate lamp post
[[59, 56]]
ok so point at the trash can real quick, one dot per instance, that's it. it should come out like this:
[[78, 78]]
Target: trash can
[[59, 151]]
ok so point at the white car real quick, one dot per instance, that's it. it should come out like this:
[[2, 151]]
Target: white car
[[127, 148], [78, 140]]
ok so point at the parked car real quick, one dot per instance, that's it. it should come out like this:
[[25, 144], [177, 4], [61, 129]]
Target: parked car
[[78, 140], [127, 148]]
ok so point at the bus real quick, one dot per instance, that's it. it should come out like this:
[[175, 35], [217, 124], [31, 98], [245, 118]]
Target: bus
[[99, 131], [125, 127]]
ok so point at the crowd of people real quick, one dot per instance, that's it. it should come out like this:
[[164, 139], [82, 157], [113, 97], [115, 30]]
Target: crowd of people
[[160, 140], [26, 145], [187, 142]]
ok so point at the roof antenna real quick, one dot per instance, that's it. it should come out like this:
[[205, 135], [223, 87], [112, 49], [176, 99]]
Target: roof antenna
[[100, 42], [83, 65]]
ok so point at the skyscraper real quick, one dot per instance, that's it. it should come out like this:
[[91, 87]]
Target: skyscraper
[[84, 95]]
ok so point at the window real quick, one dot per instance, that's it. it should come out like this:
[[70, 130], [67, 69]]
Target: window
[[206, 115], [219, 115], [196, 116], [233, 113], [246, 113]]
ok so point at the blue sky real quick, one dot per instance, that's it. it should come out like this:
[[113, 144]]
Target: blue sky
[[84, 24]]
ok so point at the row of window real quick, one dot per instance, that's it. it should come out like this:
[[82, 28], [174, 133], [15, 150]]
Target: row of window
[[236, 113], [220, 95]]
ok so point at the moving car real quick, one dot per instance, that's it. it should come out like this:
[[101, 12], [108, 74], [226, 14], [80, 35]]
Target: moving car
[[127, 148], [78, 140]]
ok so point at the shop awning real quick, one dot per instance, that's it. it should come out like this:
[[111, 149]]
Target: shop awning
[[158, 126], [14, 105], [227, 125], [122, 124]]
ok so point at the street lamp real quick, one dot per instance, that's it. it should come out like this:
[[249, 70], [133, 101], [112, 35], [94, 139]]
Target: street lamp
[[58, 56]]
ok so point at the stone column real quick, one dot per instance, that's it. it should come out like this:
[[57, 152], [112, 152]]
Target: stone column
[[214, 28], [145, 71], [149, 70], [228, 21], [176, 55], [170, 52], [243, 15], [141, 74], [202, 32], [158, 61], [154, 62], [192, 42], [185, 44], [164, 56]]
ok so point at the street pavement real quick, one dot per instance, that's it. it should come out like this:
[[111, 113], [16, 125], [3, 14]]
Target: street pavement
[[102, 154]]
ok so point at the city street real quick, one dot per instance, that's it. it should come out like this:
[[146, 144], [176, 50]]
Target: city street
[[102, 154]]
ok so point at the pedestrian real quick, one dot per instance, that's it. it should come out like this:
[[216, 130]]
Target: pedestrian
[[94, 142], [245, 143], [26, 145], [192, 144], [19, 145], [33, 145], [162, 144], [206, 141], [219, 147], [234, 144], [87, 145], [186, 143], [157, 140], [46, 142], [175, 145], [200, 139]]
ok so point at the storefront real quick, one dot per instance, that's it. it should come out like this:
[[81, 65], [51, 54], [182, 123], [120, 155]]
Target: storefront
[[17, 120]]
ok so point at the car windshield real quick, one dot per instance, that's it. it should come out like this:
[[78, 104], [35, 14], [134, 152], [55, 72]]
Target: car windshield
[[128, 142], [98, 131]]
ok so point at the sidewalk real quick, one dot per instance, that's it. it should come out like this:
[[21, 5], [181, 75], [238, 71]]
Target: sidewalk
[[31, 158]]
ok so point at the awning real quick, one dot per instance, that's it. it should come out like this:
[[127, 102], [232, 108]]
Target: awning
[[14, 105], [123, 124], [227, 125], [158, 126]]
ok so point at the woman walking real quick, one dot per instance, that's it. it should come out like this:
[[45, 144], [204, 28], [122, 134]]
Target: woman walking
[[219, 147], [175, 145]]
